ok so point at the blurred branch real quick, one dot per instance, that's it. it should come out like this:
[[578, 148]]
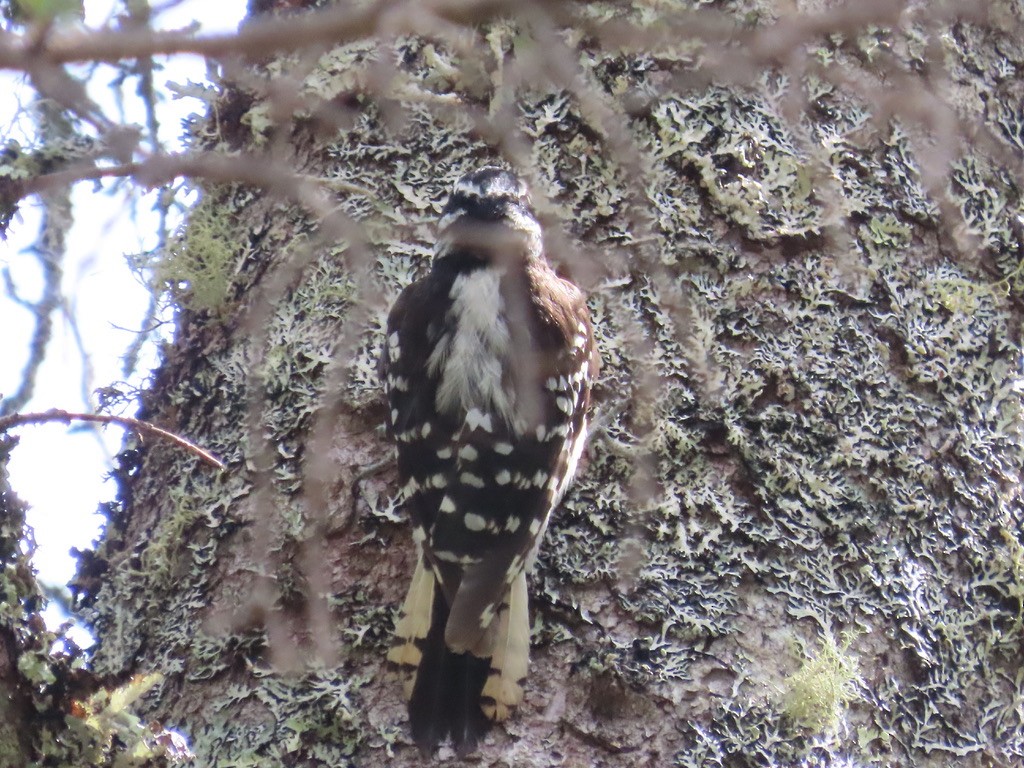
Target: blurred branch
[[262, 37], [140, 15], [257, 170], [42, 312], [142, 427], [49, 250]]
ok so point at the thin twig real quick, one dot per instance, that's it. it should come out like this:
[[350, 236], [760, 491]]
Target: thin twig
[[143, 427]]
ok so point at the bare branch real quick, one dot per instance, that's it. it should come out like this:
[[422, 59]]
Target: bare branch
[[257, 170], [262, 37], [142, 427]]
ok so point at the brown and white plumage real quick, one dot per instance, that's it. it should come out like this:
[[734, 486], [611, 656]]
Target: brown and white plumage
[[487, 367]]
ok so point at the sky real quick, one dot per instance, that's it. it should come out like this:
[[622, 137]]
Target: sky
[[61, 471]]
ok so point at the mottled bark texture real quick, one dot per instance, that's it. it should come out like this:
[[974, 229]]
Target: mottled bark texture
[[16, 584], [797, 536]]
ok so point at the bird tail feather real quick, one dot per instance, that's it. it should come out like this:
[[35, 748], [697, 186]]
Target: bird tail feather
[[443, 687], [414, 624], [509, 655]]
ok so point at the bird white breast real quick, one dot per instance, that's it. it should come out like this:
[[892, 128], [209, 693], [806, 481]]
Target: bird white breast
[[470, 358]]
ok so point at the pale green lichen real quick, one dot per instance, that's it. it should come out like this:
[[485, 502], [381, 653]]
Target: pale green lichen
[[817, 694], [743, 158], [202, 258], [742, 732], [1014, 558], [281, 716]]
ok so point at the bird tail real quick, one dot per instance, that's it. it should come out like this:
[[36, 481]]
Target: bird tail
[[459, 694], [443, 687], [414, 625], [509, 655]]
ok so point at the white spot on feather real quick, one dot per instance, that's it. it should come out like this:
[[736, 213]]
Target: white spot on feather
[[474, 522], [451, 557], [475, 419]]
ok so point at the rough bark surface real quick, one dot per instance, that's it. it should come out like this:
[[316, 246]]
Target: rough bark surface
[[17, 585], [797, 536]]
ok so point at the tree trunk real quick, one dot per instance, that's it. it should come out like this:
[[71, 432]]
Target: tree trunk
[[796, 539]]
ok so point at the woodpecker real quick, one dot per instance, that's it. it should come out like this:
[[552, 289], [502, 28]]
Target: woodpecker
[[487, 366]]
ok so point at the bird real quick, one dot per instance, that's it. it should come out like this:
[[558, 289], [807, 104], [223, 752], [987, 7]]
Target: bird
[[487, 365]]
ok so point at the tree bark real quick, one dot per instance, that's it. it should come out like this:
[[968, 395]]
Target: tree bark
[[797, 537]]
